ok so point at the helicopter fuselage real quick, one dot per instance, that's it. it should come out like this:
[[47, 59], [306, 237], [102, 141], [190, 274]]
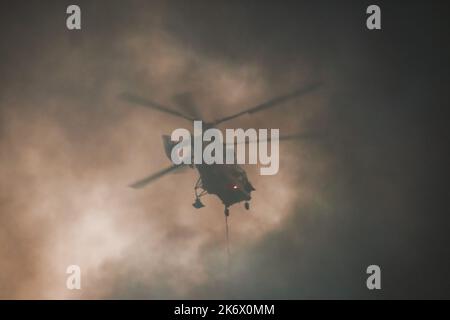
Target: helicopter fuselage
[[227, 181]]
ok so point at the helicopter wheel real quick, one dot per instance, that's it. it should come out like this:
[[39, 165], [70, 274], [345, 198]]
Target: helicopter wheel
[[227, 211], [197, 203], [247, 205]]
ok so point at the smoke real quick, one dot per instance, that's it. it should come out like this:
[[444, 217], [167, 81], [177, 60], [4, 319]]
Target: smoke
[[72, 147]]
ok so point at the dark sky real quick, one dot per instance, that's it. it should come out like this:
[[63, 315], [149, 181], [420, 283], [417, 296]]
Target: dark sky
[[370, 189]]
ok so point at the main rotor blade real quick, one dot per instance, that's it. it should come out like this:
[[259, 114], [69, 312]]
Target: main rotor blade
[[301, 136], [143, 182], [298, 136], [153, 105], [273, 102], [186, 102]]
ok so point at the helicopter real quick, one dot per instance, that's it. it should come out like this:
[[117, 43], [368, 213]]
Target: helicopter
[[229, 182]]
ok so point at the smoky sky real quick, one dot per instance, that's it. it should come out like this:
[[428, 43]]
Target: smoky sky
[[368, 187]]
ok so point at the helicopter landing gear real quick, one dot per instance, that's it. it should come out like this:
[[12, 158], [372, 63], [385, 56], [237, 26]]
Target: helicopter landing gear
[[199, 192], [247, 205], [198, 204], [227, 211]]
